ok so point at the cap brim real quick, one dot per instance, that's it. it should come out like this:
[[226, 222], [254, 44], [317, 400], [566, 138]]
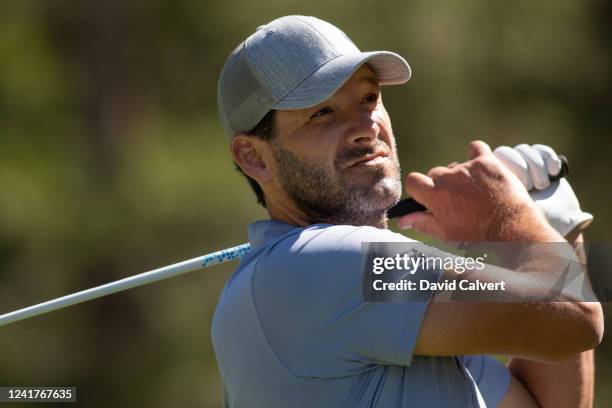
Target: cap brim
[[389, 67]]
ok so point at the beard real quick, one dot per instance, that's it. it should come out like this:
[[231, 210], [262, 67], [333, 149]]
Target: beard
[[340, 197]]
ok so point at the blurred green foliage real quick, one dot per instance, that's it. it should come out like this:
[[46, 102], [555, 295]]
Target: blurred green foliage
[[113, 161]]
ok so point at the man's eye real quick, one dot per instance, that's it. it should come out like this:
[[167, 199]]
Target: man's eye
[[371, 98], [321, 112]]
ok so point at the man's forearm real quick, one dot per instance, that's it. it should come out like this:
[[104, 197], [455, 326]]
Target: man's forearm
[[568, 383]]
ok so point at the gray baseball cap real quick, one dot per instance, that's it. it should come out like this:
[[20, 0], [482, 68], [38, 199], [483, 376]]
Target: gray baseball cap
[[293, 62]]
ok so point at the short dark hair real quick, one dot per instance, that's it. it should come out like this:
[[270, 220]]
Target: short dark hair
[[264, 130]]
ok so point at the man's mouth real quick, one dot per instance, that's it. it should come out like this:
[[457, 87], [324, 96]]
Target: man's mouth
[[370, 160]]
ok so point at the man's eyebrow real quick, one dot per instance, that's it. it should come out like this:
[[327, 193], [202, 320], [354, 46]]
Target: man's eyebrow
[[370, 79]]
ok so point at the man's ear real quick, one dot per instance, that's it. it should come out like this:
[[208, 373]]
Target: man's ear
[[254, 156]]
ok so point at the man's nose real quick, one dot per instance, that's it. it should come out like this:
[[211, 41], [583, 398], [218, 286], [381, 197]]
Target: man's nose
[[363, 129]]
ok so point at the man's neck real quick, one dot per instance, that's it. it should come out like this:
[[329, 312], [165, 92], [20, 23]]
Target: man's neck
[[282, 208], [295, 216]]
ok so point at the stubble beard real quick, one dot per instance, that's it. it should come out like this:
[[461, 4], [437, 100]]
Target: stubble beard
[[336, 198]]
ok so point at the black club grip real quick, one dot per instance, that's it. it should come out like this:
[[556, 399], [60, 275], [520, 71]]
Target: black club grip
[[410, 205]]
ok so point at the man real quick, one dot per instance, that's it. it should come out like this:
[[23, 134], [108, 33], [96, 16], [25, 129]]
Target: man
[[303, 110]]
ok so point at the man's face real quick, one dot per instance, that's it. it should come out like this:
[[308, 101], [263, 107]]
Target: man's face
[[337, 161]]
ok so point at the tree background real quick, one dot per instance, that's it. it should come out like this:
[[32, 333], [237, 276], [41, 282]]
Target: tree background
[[113, 161]]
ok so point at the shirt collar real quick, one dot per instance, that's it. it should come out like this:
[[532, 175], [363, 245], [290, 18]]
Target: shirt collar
[[262, 231]]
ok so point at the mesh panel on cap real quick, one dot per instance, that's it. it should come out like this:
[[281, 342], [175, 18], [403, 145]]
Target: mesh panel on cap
[[242, 98]]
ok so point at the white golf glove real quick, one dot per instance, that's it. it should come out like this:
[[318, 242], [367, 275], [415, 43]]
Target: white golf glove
[[533, 165]]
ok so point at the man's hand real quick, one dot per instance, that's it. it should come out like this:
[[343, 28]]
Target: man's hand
[[478, 200], [482, 200], [534, 165]]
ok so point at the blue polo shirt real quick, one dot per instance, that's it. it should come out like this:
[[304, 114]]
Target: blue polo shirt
[[291, 329]]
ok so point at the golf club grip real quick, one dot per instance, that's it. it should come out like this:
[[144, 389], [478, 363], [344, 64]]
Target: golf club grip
[[410, 205]]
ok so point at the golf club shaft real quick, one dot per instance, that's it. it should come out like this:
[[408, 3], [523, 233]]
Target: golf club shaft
[[127, 283]]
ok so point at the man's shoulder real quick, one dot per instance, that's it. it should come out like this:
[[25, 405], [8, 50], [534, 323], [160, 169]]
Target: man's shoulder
[[271, 233], [326, 237], [319, 248]]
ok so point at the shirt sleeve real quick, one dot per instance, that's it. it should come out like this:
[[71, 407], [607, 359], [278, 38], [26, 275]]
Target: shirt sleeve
[[308, 296], [491, 376]]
